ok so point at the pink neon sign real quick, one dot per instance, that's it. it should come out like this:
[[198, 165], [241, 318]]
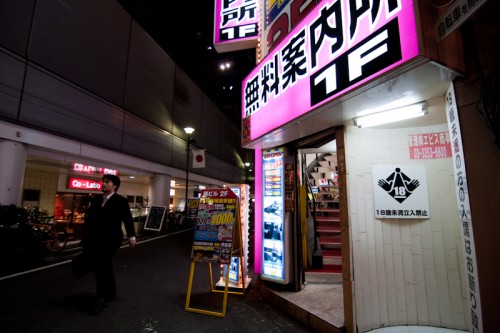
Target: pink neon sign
[[84, 184], [236, 24], [334, 50]]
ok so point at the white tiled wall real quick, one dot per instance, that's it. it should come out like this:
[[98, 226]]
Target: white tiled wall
[[406, 271], [46, 182]]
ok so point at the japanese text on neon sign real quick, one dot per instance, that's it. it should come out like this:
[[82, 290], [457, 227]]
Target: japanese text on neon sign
[[305, 53], [238, 19]]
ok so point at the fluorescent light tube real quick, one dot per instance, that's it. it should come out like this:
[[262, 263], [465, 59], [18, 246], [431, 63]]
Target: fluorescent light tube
[[390, 116]]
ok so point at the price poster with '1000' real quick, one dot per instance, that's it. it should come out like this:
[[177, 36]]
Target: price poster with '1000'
[[214, 228]]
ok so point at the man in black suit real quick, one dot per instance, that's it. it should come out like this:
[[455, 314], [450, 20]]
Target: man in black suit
[[103, 236]]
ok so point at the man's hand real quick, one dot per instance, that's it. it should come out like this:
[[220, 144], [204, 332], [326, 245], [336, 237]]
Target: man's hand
[[132, 242]]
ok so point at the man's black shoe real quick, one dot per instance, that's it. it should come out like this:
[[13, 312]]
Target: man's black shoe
[[99, 306]]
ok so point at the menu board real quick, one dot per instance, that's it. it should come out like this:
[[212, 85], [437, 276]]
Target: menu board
[[273, 217], [155, 218], [214, 227]]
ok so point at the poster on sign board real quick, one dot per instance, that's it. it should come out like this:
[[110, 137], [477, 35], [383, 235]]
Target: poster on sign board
[[214, 227]]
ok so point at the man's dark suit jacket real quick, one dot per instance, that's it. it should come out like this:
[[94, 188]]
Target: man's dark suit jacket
[[103, 224]]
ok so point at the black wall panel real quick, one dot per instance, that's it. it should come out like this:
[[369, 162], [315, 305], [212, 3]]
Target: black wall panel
[[226, 144], [53, 104], [85, 42], [211, 130], [150, 80], [145, 141], [11, 83], [15, 24], [188, 105], [179, 153]]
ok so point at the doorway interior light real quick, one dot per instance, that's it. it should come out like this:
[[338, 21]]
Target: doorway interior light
[[393, 115]]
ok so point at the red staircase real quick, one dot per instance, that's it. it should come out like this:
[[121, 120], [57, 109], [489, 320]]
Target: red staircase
[[325, 211]]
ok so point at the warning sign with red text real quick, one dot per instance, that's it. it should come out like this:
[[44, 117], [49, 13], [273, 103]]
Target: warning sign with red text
[[428, 146]]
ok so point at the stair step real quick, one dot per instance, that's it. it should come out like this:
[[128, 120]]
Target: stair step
[[328, 170], [319, 200], [328, 209], [325, 229], [329, 240], [327, 269], [332, 257], [331, 253], [328, 218], [331, 158], [326, 164]]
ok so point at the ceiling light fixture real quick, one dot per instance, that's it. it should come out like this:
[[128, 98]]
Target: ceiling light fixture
[[393, 115]]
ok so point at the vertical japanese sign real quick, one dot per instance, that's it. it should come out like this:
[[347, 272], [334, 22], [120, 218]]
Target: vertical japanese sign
[[464, 213], [273, 267], [400, 191], [289, 184], [457, 14], [335, 49], [236, 24], [214, 228]]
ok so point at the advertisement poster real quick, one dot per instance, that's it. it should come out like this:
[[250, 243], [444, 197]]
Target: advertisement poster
[[193, 204], [214, 228], [400, 191], [273, 218], [427, 146]]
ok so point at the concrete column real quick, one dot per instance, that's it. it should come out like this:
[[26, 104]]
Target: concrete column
[[160, 190], [12, 167]]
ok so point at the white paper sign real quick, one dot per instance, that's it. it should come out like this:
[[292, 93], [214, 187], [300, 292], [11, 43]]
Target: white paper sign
[[400, 191]]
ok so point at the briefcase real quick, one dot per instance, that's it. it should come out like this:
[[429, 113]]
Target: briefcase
[[80, 266]]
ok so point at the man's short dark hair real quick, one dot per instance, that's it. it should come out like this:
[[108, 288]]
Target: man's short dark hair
[[114, 179]]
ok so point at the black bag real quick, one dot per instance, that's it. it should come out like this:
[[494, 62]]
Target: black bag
[[81, 266]]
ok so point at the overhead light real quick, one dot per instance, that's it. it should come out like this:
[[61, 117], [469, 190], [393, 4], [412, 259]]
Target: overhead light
[[247, 164], [188, 130], [225, 65], [393, 115]]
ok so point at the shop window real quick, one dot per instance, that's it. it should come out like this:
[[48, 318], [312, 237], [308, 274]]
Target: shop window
[[71, 208]]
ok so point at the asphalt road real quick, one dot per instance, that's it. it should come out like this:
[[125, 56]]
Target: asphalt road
[[152, 281]]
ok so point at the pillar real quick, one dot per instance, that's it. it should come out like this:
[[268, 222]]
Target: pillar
[[12, 166], [160, 190]]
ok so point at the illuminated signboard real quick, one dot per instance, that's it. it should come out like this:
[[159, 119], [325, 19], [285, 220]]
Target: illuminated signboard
[[85, 184], [236, 24], [334, 50], [214, 228], [92, 170], [281, 17], [273, 245]]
